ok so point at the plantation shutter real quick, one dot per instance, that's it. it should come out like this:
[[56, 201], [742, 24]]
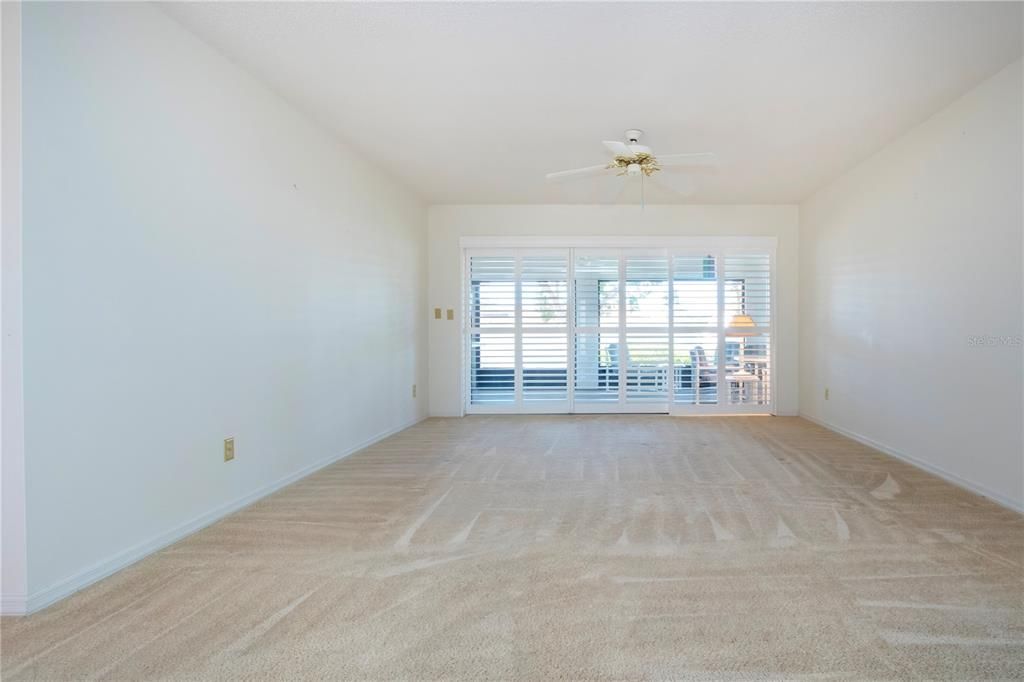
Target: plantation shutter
[[619, 330]]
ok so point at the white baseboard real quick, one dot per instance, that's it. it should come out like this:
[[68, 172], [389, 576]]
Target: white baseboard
[[955, 479], [12, 605]]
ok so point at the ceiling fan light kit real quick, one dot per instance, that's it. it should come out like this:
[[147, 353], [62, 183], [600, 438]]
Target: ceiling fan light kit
[[641, 162]]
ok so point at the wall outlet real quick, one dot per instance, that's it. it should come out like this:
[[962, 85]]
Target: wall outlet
[[414, 390], [229, 449], [826, 393]]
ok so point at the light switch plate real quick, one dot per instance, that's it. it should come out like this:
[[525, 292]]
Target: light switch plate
[[451, 314], [229, 449], [437, 313]]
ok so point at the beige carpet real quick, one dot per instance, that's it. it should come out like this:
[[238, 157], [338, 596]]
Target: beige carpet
[[610, 547]]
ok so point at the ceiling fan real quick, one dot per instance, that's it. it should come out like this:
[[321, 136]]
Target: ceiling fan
[[635, 160]]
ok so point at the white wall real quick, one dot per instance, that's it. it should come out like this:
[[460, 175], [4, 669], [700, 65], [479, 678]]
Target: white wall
[[200, 261], [904, 260], [447, 224], [13, 568]]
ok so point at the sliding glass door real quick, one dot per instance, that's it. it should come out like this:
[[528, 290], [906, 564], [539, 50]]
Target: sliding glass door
[[686, 331], [518, 333], [721, 331]]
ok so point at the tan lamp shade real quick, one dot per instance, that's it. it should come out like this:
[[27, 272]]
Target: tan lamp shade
[[742, 325]]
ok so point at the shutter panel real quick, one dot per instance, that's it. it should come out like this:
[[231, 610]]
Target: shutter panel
[[647, 330], [492, 319], [597, 342], [747, 305], [695, 331], [544, 285]]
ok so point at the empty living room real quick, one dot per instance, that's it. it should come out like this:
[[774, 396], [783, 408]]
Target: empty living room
[[512, 341]]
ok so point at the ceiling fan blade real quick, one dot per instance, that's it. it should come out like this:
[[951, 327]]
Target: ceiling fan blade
[[618, 148], [576, 173], [698, 159]]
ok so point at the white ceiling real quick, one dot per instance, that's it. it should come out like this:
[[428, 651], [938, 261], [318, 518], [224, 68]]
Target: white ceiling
[[475, 102]]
